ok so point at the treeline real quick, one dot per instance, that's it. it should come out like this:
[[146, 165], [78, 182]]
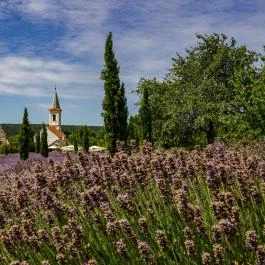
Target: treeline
[[215, 90], [12, 129]]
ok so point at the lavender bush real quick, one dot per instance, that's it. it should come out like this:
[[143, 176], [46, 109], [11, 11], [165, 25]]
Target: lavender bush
[[151, 207]]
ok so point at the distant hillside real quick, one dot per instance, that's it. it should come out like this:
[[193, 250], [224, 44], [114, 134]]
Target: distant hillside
[[13, 129]]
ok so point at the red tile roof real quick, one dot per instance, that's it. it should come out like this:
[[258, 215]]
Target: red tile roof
[[56, 132]]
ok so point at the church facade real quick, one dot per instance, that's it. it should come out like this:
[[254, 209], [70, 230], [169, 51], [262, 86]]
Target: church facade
[[55, 136]]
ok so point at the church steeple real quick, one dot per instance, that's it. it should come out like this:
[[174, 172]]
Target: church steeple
[[55, 112], [55, 102]]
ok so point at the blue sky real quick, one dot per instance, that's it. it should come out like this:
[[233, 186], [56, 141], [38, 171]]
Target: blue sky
[[44, 43]]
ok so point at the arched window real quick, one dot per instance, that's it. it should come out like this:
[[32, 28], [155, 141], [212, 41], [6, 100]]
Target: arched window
[[53, 117]]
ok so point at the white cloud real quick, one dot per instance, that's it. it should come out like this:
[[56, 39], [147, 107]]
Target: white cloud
[[36, 77]]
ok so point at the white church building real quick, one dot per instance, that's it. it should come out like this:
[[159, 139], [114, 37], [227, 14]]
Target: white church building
[[55, 136]]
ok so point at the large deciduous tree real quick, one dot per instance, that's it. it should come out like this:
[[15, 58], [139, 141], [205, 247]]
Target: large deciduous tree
[[203, 94], [24, 136], [204, 81], [114, 103]]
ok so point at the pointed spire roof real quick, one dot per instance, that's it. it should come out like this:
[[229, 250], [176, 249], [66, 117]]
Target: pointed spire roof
[[55, 102]]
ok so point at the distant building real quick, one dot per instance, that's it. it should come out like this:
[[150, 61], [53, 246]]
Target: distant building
[[55, 136], [3, 138]]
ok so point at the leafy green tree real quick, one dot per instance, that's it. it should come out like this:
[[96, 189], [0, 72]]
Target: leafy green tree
[[75, 143], [134, 129], [145, 116], [152, 106], [85, 140], [206, 94], [24, 137], [44, 143], [37, 143], [99, 138], [248, 123], [114, 102]]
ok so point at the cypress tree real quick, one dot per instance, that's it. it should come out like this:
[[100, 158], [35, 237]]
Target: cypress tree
[[75, 143], [37, 143], [122, 114], [145, 116], [24, 136], [86, 140], [44, 143], [113, 100]]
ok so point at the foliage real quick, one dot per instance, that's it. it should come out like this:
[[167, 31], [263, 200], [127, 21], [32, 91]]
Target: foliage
[[146, 115], [122, 113], [14, 144], [25, 137], [75, 143], [44, 142], [114, 103], [37, 143], [95, 137], [85, 140], [13, 129], [135, 129], [202, 96], [156, 105], [4, 149]]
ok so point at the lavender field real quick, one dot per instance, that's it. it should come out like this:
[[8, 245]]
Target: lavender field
[[151, 207]]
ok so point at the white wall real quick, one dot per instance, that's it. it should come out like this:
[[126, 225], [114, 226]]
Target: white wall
[[51, 138]]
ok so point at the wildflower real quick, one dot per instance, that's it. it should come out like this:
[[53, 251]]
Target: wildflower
[[108, 214], [206, 258], [28, 226], [251, 241], [126, 228], [121, 248], [227, 228], [145, 252], [15, 233], [126, 202], [48, 216], [218, 254], [187, 233], [190, 248], [60, 258], [143, 248], [16, 262], [260, 253], [161, 240], [56, 233], [133, 146], [217, 232], [143, 225], [2, 259], [113, 228], [150, 212], [91, 262]]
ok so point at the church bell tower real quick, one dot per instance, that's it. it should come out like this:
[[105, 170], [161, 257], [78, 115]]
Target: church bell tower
[[55, 113]]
